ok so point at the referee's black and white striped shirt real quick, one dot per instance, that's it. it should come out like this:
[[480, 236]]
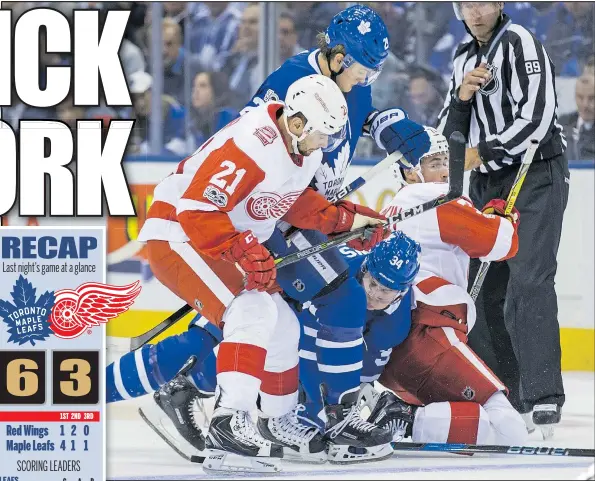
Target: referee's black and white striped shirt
[[517, 105]]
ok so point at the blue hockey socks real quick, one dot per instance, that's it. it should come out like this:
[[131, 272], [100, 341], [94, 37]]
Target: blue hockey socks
[[143, 371]]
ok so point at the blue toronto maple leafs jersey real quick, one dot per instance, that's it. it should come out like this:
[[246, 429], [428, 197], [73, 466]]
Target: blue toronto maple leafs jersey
[[330, 175]]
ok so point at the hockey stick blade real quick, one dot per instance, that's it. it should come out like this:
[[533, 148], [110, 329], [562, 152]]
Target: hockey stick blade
[[455, 190], [493, 449], [139, 341]]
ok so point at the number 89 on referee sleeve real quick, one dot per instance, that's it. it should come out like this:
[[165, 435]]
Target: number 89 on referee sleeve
[[74, 377]]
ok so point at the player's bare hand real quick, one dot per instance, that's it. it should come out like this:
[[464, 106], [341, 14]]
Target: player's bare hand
[[473, 81], [472, 158]]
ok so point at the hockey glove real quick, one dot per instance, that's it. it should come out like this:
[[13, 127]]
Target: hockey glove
[[498, 206], [255, 260], [353, 216], [393, 131]]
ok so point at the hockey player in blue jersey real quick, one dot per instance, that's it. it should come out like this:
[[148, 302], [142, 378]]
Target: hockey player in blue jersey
[[385, 274]]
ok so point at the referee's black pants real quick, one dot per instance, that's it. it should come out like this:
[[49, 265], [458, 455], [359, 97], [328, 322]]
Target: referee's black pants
[[517, 332]]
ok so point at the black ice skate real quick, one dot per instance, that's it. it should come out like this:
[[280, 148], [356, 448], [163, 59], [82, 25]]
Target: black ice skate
[[350, 438], [368, 396], [545, 417], [301, 441], [234, 444], [181, 402], [393, 414]]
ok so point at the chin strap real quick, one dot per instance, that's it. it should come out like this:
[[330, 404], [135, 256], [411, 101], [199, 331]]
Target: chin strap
[[334, 75], [420, 175], [294, 138]]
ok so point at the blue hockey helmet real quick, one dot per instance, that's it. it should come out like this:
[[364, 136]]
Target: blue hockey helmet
[[365, 38], [394, 263]]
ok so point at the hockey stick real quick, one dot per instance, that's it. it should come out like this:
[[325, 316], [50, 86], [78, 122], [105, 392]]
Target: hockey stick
[[366, 176], [493, 449], [139, 341], [510, 201], [456, 176], [357, 183]]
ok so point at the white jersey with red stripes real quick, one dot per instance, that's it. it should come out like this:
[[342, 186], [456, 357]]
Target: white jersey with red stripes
[[244, 172], [449, 236]]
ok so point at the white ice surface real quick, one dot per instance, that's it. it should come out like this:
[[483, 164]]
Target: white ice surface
[[135, 452]]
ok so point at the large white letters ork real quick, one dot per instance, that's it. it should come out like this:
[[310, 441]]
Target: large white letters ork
[[74, 165]]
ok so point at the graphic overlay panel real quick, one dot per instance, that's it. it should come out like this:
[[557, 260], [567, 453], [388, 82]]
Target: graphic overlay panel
[[52, 344]]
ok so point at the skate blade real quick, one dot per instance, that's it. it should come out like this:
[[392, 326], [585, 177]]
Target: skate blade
[[547, 431], [223, 462], [343, 454], [312, 458], [528, 418], [164, 428]]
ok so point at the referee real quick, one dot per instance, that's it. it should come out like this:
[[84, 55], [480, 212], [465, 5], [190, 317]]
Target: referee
[[502, 95]]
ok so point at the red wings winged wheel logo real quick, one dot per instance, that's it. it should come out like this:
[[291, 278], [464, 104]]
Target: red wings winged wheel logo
[[91, 304]]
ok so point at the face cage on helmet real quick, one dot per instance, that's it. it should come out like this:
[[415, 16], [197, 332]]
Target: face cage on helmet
[[371, 75]]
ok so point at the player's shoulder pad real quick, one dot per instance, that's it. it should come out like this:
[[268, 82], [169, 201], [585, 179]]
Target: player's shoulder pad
[[256, 132], [291, 70]]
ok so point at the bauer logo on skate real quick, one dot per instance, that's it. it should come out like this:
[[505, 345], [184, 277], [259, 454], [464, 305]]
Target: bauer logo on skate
[[269, 205], [91, 304]]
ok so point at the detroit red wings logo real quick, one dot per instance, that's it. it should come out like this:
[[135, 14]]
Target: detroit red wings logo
[[91, 304], [270, 205]]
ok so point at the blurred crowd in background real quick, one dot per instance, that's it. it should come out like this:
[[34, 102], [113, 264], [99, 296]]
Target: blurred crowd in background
[[210, 61]]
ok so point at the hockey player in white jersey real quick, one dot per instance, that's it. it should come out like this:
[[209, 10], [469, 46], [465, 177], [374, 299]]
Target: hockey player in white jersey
[[460, 399], [204, 234]]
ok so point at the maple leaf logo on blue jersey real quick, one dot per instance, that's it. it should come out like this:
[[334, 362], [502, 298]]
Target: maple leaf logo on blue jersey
[[27, 318]]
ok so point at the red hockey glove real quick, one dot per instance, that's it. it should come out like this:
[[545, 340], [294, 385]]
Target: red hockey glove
[[255, 260], [497, 207], [373, 236], [353, 216]]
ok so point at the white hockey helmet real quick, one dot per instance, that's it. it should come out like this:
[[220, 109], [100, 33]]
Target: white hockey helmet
[[320, 100], [438, 145]]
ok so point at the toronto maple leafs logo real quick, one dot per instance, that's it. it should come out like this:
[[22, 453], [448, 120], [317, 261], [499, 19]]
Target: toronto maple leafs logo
[[331, 173], [90, 304], [27, 315], [364, 27]]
